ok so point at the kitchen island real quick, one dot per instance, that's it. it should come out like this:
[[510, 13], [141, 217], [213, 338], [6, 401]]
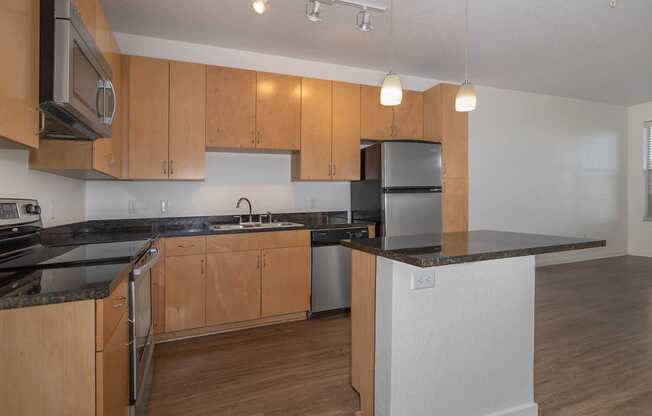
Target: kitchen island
[[444, 324]]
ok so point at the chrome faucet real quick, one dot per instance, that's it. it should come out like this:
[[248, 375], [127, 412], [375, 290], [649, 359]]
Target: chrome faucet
[[248, 203]]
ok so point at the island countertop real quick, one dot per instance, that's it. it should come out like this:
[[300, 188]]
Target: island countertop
[[430, 250]]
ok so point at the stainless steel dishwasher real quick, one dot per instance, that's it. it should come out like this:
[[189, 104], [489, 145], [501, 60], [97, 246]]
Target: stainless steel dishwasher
[[330, 288]]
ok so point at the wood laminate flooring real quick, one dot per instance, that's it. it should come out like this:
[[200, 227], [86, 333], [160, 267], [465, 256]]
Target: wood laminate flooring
[[593, 355]]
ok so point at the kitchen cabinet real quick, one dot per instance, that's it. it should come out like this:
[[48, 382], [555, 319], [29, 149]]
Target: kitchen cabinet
[[102, 158], [232, 287], [408, 116], [313, 161], [231, 107], [286, 281], [278, 111], [185, 303], [345, 154], [112, 369], [19, 118], [379, 122], [330, 130], [148, 119], [455, 206], [87, 10], [187, 147]]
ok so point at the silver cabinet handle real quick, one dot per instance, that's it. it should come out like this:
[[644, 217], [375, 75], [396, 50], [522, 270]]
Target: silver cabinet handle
[[111, 159], [202, 266], [184, 246], [334, 169], [41, 125], [123, 302], [259, 138], [258, 263], [165, 167], [171, 167], [330, 170], [264, 260]]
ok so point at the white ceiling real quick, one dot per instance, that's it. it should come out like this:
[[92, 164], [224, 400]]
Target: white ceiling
[[573, 48]]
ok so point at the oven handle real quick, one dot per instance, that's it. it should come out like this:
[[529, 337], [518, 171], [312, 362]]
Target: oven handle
[[153, 258]]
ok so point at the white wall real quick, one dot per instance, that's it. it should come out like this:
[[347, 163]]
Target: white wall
[[538, 163], [549, 165], [62, 199], [264, 179], [639, 232]]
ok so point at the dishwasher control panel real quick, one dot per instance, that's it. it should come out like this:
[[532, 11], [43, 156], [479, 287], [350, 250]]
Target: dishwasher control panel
[[335, 235]]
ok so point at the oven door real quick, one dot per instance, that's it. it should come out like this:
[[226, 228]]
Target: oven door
[[142, 334]]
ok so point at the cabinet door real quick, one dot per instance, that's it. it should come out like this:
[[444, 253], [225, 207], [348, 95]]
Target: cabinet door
[[376, 120], [149, 81], [454, 135], [19, 74], [230, 107], [286, 280], [113, 362], [187, 120], [455, 205], [232, 287], [316, 130], [185, 301], [87, 9], [408, 117], [278, 112], [346, 132]]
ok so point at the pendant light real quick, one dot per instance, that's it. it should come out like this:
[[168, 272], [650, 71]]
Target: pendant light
[[391, 92], [466, 98], [259, 6]]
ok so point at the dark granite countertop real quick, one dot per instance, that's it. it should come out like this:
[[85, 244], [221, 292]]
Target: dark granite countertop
[[104, 231], [452, 248], [69, 284]]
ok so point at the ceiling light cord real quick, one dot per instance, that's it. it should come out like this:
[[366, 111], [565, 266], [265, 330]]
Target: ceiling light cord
[[466, 41], [391, 35]]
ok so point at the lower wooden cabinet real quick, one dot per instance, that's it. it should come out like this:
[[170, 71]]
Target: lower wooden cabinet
[[185, 303], [112, 369], [286, 280], [232, 287], [455, 205]]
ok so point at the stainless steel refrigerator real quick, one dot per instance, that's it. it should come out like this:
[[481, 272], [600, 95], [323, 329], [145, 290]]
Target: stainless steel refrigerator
[[400, 188]]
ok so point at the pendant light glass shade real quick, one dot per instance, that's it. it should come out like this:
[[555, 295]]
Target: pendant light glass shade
[[259, 6], [466, 98], [391, 93]]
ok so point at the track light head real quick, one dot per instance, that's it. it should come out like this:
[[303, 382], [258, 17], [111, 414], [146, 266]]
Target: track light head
[[312, 10], [363, 21]]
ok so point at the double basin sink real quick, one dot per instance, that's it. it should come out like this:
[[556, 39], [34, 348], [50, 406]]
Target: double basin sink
[[252, 226]]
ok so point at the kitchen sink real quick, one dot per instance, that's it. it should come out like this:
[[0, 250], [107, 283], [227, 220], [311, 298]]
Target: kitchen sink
[[252, 225]]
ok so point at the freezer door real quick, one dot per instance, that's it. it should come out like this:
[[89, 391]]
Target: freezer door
[[411, 164], [412, 213]]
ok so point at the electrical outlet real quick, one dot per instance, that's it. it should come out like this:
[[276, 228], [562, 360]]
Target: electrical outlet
[[423, 280], [164, 206]]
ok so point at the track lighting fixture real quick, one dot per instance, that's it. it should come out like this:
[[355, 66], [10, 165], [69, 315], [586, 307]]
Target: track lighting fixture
[[312, 10], [363, 20], [259, 6]]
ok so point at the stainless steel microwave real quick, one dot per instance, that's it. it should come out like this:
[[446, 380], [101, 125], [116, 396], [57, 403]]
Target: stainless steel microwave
[[76, 94]]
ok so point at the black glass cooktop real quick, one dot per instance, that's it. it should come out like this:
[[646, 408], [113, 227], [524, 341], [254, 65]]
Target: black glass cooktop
[[40, 256]]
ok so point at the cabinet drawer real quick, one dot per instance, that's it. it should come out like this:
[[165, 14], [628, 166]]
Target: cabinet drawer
[[110, 310], [257, 241], [185, 246]]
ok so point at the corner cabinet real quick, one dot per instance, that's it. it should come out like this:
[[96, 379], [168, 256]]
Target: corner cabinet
[[19, 74], [379, 122], [166, 119], [330, 130]]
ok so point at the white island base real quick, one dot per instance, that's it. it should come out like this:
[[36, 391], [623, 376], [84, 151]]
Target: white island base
[[464, 347]]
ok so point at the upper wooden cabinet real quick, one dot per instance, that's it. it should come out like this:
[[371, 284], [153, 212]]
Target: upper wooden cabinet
[[445, 125], [166, 119], [87, 9], [187, 121], [230, 107], [278, 112], [330, 129], [455, 205], [408, 116], [149, 93], [346, 132], [19, 73], [379, 122]]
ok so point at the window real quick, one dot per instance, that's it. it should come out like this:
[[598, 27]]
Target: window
[[647, 170]]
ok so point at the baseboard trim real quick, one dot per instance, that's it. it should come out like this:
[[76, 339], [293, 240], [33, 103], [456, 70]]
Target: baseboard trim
[[530, 409], [236, 326]]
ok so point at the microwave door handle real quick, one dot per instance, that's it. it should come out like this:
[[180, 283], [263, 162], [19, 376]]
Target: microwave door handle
[[115, 101], [100, 87]]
